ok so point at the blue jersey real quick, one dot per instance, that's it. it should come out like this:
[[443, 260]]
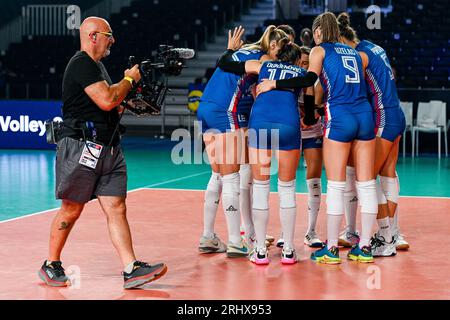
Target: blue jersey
[[278, 106], [379, 76], [230, 91], [342, 78]]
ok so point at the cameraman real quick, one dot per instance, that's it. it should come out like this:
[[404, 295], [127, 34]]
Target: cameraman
[[91, 118]]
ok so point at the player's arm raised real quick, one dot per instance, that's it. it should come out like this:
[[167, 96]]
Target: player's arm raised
[[228, 64]]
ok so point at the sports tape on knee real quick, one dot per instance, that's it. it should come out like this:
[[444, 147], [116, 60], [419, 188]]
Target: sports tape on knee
[[390, 188], [245, 174], [261, 191], [335, 197], [286, 192], [367, 192]]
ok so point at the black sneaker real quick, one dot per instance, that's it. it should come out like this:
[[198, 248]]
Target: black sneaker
[[53, 274], [143, 273]]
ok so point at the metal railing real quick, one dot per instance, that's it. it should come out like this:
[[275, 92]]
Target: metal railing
[[43, 20]]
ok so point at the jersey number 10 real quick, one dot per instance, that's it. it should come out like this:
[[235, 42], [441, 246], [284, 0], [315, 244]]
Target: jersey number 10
[[273, 72], [351, 65]]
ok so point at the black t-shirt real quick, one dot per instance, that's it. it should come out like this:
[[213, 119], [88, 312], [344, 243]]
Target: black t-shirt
[[81, 72]]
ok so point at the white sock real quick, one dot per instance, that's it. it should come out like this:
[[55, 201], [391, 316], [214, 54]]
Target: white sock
[[129, 267], [245, 199], [350, 199], [394, 220], [333, 226], [288, 211], [314, 196], [212, 197], [335, 210], [367, 222], [367, 192], [385, 229], [230, 203], [260, 210]]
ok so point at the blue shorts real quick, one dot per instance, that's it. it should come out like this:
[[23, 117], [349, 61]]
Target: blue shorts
[[389, 123], [343, 125], [285, 137], [212, 116], [312, 143]]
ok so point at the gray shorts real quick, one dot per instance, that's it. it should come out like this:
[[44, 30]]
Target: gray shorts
[[79, 183]]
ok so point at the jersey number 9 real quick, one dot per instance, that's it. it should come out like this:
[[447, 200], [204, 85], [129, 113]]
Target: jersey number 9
[[351, 65]]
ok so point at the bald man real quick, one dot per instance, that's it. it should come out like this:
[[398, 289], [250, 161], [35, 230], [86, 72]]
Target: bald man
[[89, 159]]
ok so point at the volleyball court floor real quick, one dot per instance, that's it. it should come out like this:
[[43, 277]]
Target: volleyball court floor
[[165, 209]]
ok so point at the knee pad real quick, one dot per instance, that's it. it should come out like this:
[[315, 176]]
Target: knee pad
[[245, 174], [380, 194], [367, 192], [215, 182], [261, 191], [286, 192], [335, 197], [390, 188], [314, 189], [398, 182], [230, 184]]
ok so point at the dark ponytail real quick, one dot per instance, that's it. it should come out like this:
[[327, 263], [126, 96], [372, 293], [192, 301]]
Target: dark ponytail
[[345, 30], [289, 51]]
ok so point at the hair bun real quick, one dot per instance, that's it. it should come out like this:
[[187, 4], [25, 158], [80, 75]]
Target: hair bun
[[344, 19]]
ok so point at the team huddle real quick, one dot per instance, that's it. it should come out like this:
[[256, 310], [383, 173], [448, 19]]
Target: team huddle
[[337, 103]]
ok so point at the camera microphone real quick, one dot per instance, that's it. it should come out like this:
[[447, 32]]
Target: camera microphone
[[184, 53]]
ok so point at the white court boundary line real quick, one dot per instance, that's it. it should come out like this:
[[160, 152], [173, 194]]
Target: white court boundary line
[[323, 193], [151, 187], [148, 187]]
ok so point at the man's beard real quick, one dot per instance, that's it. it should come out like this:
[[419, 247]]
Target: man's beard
[[107, 52]]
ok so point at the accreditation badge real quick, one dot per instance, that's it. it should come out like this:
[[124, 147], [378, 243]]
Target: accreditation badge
[[91, 153]]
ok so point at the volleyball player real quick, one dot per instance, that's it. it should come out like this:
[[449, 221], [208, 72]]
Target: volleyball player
[[265, 45], [312, 140], [274, 113], [349, 127], [288, 30], [224, 109], [389, 126]]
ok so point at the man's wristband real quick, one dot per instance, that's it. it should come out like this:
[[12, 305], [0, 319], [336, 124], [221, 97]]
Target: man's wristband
[[130, 80]]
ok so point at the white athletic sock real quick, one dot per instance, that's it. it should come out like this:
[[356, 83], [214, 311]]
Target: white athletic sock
[[367, 222], [333, 226], [350, 199], [314, 196], [367, 192], [394, 220], [230, 203], [385, 229], [245, 199], [260, 210], [129, 267], [212, 197], [335, 210], [288, 211]]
